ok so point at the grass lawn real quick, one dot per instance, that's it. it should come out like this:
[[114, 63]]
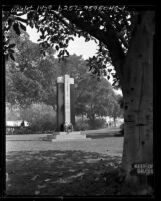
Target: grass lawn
[[38, 168]]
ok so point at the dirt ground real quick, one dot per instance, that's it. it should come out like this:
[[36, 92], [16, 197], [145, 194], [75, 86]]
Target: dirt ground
[[36, 167]]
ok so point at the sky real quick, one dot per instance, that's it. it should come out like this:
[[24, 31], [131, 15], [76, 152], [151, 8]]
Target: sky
[[78, 47]]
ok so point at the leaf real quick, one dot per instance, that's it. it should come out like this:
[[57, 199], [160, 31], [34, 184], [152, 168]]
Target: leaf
[[67, 53], [71, 38], [42, 37], [87, 39], [22, 27], [12, 57], [11, 51], [66, 41], [16, 28], [56, 47], [10, 22], [11, 45]]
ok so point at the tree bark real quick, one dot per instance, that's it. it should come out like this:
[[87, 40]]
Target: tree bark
[[114, 121], [92, 118], [82, 118], [138, 97]]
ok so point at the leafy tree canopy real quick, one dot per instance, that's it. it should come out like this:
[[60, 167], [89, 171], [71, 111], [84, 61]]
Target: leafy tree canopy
[[32, 79], [109, 26], [97, 100]]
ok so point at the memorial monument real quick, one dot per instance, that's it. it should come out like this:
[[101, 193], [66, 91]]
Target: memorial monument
[[65, 112], [65, 102]]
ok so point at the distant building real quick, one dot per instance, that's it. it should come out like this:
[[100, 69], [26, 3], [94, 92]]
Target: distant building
[[11, 126], [16, 123]]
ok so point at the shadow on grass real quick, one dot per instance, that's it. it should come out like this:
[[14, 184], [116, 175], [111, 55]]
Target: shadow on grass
[[65, 173]]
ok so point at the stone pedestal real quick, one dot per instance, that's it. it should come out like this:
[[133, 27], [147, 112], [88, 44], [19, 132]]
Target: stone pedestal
[[64, 136]]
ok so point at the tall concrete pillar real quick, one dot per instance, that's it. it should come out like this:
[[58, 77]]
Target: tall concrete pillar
[[72, 102], [65, 101]]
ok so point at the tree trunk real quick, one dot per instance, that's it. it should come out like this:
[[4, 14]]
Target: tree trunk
[[138, 97], [82, 118], [92, 121], [114, 121]]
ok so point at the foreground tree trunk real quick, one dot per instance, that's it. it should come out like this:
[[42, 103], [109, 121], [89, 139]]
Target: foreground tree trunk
[[138, 97]]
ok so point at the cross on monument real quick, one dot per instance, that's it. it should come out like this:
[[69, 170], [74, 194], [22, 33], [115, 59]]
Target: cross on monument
[[65, 112], [64, 92]]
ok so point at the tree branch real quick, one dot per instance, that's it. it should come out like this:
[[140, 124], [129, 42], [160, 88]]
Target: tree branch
[[120, 36], [109, 38], [21, 20], [60, 18], [109, 25]]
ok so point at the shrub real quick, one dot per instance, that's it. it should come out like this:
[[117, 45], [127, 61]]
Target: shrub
[[44, 123], [22, 131], [87, 124], [41, 117], [97, 124], [81, 125]]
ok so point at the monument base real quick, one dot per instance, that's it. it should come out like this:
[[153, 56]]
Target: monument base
[[65, 136]]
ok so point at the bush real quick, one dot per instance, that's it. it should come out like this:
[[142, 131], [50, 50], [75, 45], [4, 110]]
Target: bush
[[88, 125], [19, 130], [22, 131], [41, 117], [44, 123], [97, 124], [81, 125]]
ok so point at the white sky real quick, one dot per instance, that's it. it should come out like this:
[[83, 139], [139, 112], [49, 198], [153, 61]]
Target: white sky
[[78, 46]]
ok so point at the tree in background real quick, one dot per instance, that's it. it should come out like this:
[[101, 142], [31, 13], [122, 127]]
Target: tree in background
[[31, 78], [12, 113], [114, 109], [95, 99], [92, 97]]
